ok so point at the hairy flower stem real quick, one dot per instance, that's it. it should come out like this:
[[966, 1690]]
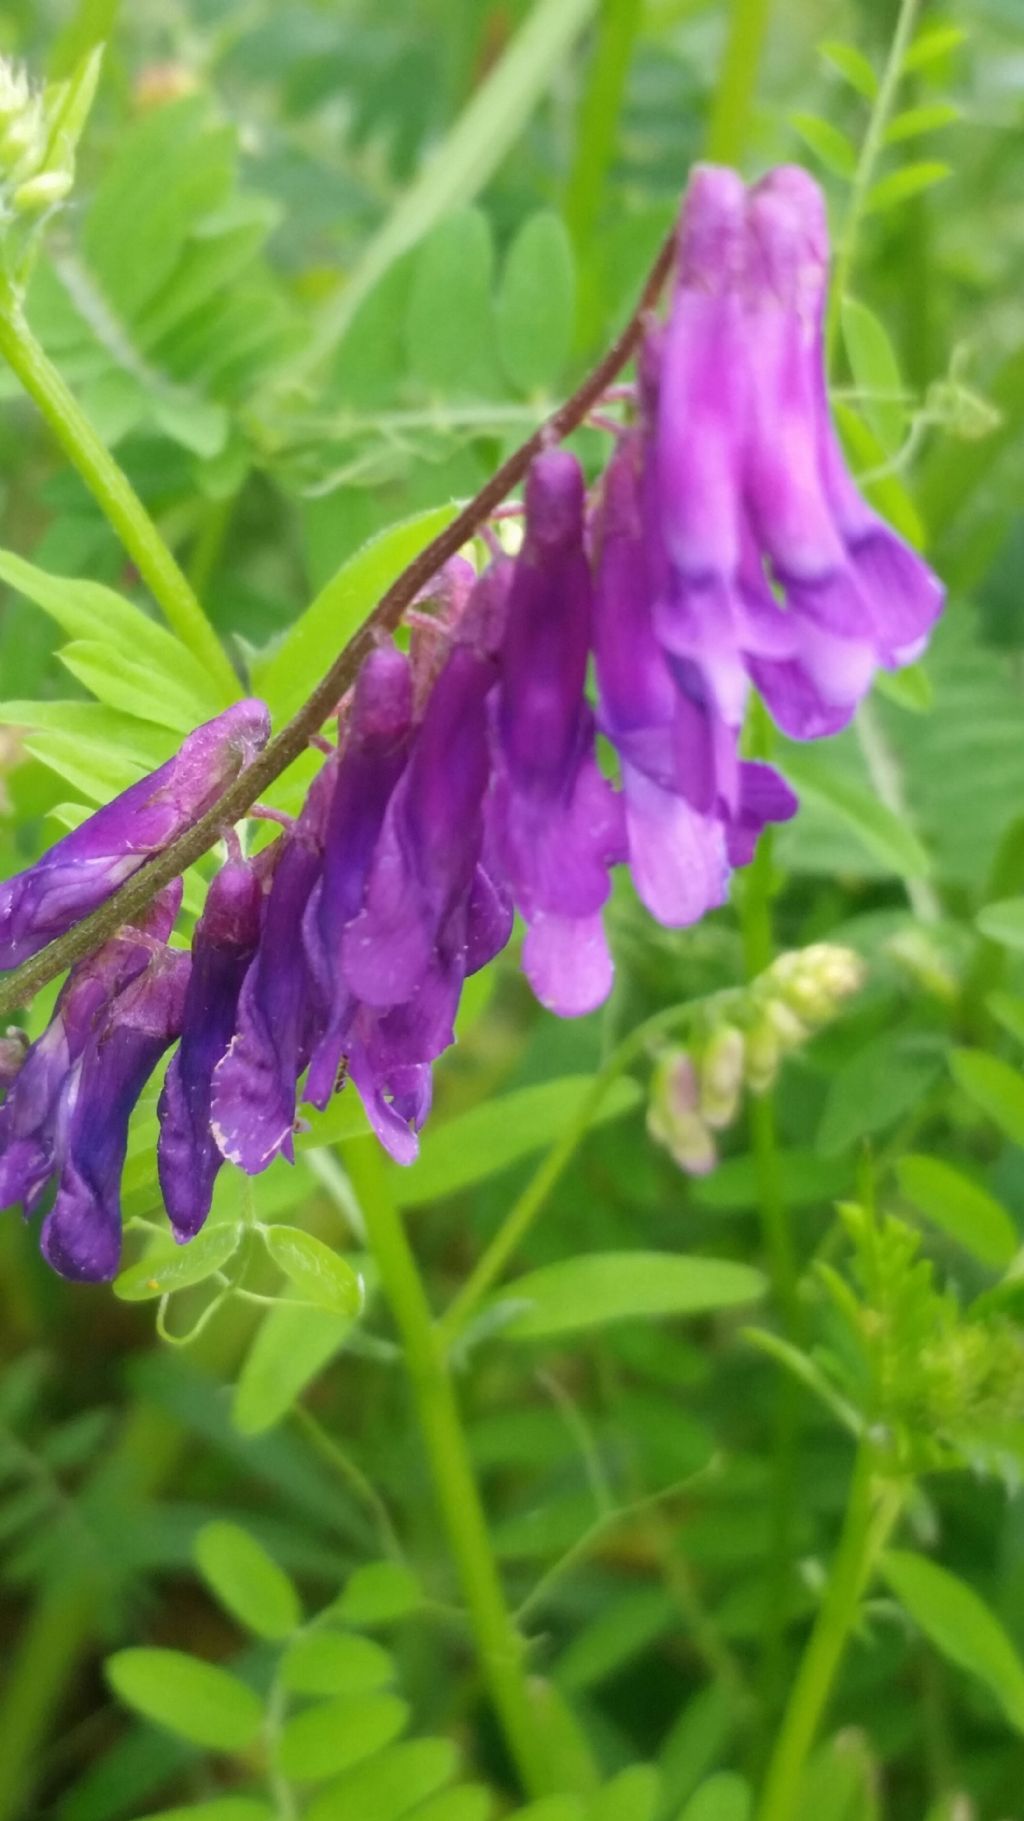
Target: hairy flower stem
[[499, 1642], [872, 1509], [114, 493], [22, 983]]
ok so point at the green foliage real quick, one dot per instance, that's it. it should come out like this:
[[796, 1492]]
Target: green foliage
[[582, 1293], [960, 1625]]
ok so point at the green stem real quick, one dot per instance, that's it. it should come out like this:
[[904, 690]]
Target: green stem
[[870, 152], [525, 1210], [597, 139], [870, 1514], [759, 952], [498, 1640], [737, 81], [114, 494], [354, 1478]]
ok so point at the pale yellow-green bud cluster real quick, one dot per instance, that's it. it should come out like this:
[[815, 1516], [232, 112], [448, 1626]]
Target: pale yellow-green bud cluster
[[23, 139], [39, 131], [740, 1044]]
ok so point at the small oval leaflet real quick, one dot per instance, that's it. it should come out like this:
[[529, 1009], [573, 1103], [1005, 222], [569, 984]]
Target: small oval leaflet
[[291, 1346], [612, 1286], [196, 1700], [391, 1785], [247, 1581], [955, 1203], [336, 1663], [379, 1592], [334, 1735], [725, 1797], [470, 1802], [167, 1267], [993, 1086], [320, 1275], [956, 1620], [222, 1808]]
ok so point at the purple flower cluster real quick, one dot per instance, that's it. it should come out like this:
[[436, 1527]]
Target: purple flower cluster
[[725, 546]]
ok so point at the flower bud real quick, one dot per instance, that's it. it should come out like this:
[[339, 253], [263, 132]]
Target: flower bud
[[788, 1031], [721, 1077], [673, 1119], [762, 1056], [13, 1048], [813, 981], [42, 192]]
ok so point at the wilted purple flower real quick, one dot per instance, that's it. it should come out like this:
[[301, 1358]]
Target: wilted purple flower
[[558, 824], [81, 1235], [375, 752], [254, 1084], [31, 1115], [88, 864], [12, 1054], [223, 945]]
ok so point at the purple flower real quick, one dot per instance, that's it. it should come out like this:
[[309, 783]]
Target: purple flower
[[374, 755], [750, 495], [223, 945], [32, 1113], [558, 825], [81, 1235], [691, 807], [665, 740], [430, 842], [90, 863], [254, 1083]]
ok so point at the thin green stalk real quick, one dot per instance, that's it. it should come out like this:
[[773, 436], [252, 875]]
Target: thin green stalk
[[114, 494], [596, 143], [737, 82], [759, 952], [354, 1478], [499, 1642], [871, 1511], [524, 1211], [870, 152]]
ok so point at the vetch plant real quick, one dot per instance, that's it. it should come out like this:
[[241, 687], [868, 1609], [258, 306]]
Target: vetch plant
[[465, 783], [516, 763]]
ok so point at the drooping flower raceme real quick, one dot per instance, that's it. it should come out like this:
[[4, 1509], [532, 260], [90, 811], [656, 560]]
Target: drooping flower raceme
[[725, 546]]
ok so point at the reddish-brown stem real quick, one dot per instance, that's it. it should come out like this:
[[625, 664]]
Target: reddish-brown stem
[[126, 904]]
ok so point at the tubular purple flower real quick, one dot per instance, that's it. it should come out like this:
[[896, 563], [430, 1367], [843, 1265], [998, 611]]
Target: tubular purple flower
[[223, 946], [426, 857], [558, 825], [372, 761], [31, 1113], [81, 1235], [746, 471], [87, 865], [254, 1084], [860, 597]]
